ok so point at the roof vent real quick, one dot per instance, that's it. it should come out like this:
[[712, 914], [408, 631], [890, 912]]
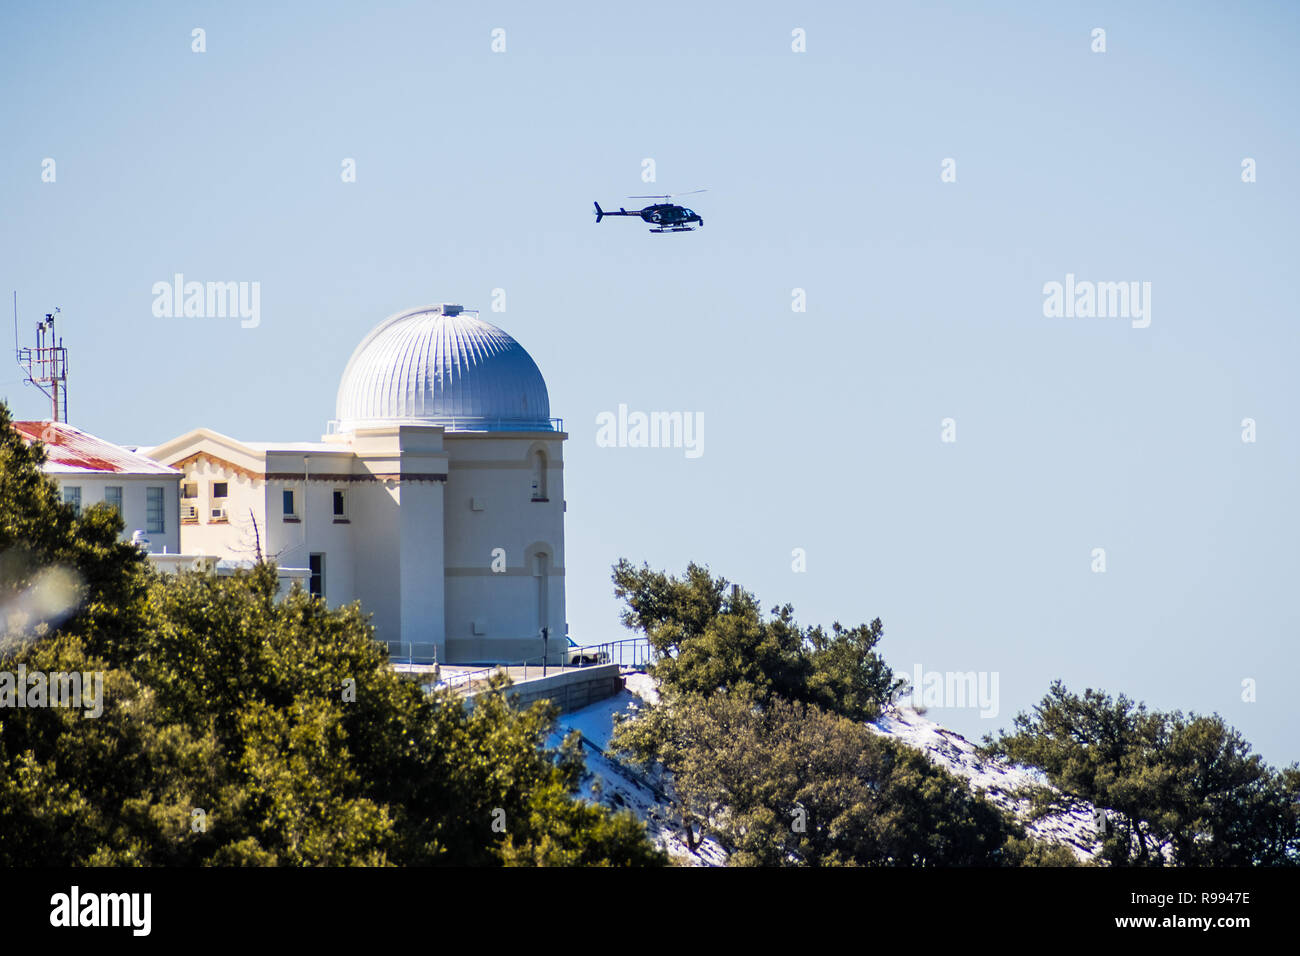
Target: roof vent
[[448, 309]]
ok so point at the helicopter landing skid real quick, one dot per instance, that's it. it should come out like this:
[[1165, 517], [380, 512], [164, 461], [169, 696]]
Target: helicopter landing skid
[[675, 229]]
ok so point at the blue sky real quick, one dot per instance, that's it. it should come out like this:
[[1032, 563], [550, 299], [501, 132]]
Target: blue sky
[[476, 171]]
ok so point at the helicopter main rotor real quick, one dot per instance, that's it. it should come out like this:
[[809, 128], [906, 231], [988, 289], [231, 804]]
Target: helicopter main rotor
[[670, 195]]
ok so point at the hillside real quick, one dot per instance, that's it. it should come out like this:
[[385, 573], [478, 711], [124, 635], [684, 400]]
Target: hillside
[[617, 786]]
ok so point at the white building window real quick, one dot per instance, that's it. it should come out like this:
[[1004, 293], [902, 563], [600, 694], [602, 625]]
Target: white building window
[[340, 505], [316, 583], [72, 496], [538, 461], [289, 504], [113, 497], [155, 510]]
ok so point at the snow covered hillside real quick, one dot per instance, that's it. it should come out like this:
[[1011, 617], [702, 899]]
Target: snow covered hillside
[[619, 787], [1002, 783]]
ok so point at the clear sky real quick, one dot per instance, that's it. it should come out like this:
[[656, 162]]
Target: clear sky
[[476, 171]]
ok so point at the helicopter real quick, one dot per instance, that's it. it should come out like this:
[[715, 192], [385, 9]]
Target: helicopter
[[663, 216]]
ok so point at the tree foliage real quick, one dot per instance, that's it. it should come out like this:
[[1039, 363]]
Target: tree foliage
[[239, 728], [1182, 789], [708, 636], [790, 783], [761, 726]]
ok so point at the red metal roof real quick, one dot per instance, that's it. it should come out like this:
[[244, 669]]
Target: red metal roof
[[70, 450]]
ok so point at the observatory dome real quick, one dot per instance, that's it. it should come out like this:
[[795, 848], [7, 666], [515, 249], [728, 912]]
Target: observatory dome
[[442, 365]]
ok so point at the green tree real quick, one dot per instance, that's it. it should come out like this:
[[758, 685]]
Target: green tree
[[789, 783], [105, 577], [709, 636], [1181, 789], [242, 728], [848, 675]]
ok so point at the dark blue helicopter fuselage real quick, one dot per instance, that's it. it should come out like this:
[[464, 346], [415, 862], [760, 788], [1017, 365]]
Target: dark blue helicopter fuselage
[[666, 216]]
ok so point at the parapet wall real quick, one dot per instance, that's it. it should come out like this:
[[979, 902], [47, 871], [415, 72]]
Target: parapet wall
[[569, 689]]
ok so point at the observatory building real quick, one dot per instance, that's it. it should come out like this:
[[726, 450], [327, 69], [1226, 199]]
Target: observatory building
[[436, 498]]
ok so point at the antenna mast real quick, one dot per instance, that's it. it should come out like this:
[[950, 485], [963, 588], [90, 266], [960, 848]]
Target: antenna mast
[[47, 364]]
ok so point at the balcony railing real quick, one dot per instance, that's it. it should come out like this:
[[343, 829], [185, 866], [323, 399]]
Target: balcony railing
[[632, 652]]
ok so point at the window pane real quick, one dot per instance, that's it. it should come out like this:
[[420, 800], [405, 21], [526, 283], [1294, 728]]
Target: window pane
[[288, 503], [72, 496], [113, 497], [316, 583], [338, 504], [219, 489], [539, 476], [154, 517]]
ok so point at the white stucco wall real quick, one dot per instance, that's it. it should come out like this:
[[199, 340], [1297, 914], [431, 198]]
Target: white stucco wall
[[490, 506], [237, 536], [425, 511], [134, 498]]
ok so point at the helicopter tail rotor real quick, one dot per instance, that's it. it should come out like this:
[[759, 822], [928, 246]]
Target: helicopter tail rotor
[[600, 213]]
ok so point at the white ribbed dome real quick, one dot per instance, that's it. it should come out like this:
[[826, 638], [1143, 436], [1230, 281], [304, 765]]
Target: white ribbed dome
[[442, 366]]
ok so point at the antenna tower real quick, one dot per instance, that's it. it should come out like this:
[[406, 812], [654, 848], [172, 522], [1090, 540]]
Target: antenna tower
[[46, 365]]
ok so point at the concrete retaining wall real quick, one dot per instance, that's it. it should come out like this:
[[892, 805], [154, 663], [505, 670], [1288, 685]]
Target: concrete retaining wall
[[569, 690]]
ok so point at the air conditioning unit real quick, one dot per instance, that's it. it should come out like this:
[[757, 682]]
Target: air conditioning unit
[[218, 514], [189, 512]]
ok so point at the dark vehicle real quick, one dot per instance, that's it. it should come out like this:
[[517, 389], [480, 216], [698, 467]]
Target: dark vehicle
[[663, 216]]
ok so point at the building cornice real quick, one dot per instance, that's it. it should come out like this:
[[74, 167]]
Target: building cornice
[[289, 476], [205, 457]]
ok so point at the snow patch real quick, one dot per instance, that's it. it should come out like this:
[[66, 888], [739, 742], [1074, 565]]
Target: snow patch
[[611, 783], [1004, 785]]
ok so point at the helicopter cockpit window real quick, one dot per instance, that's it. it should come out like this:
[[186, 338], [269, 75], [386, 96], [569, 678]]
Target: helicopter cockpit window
[[689, 212]]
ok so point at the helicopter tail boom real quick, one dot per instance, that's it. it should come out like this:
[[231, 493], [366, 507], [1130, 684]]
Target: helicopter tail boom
[[602, 213]]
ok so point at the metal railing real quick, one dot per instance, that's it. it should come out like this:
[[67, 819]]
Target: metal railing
[[468, 681], [412, 652], [426, 653], [633, 653]]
